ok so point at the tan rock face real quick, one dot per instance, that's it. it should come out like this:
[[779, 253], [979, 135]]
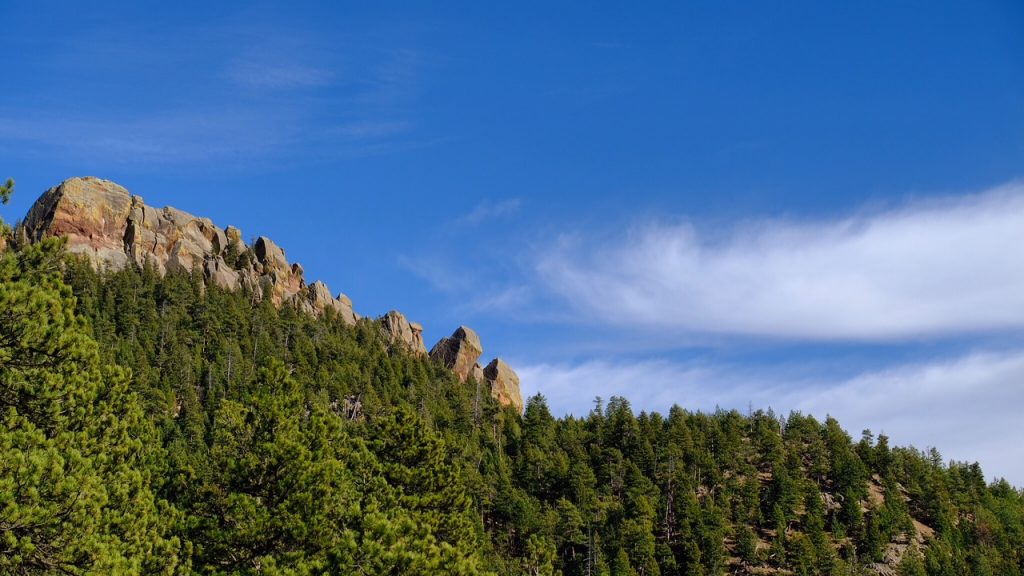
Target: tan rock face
[[281, 280], [170, 238], [93, 215], [318, 297], [234, 239], [112, 228], [221, 274], [504, 384], [460, 351], [399, 330]]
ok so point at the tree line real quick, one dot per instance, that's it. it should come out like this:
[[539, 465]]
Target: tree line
[[160, 425]]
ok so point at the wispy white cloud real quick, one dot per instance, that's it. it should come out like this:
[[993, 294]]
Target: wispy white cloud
[[168, 138], [367, 130], [490, 209], [468, 291], [499, 300], [437, 273], [967, 407], [279, 76], [928, 269], [251, 87]]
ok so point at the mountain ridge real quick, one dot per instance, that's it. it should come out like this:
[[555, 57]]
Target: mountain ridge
[[113, 228]]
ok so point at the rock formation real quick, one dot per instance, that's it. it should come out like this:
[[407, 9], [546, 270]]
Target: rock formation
[[400, 331], [112, 228], [504, 384], [319, 298], [460, 351], [93, 214]]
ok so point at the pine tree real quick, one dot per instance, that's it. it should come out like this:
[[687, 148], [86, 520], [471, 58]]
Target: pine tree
[[74, 493], [746, 545], [6, 189], [540, 557], [245, 426], [912, 564]]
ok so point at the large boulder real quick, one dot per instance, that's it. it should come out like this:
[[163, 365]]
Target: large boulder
[[93, 215], [269, 254], [281, 280], [235, 244], [399, 331], [460, 351], [344, 306], [504, 384], [319, 299]]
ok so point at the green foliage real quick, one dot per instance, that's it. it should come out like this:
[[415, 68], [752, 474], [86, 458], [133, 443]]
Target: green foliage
[[912, 564], [6, 189], [209, 432], [746, 545], [75, 496]]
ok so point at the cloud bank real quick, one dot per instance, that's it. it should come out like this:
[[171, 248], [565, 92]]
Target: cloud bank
[[930, 269]]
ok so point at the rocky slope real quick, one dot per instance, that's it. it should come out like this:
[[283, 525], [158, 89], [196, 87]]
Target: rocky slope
[[113, 229]]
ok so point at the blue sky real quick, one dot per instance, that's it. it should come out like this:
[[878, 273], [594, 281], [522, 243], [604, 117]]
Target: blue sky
[[803, 205]]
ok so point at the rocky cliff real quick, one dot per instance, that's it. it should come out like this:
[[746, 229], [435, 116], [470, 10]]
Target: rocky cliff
[[113, 229]]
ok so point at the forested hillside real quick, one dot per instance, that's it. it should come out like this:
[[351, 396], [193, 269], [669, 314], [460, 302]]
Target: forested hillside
[[162, 424]]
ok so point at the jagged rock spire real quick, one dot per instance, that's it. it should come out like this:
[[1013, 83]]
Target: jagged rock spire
[[399, 330], [460, 351]]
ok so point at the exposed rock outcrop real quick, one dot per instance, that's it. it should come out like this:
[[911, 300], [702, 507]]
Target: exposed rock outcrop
[[504, 384], [112, 228], [399, 330], [460, 351], [93, 215], [217, 270], [319, 298]]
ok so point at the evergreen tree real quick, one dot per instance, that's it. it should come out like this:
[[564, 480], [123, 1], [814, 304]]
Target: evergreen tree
[[912, 564], [746, 545], [260, 439], [540, 558], [75, 494], [6, 189]]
